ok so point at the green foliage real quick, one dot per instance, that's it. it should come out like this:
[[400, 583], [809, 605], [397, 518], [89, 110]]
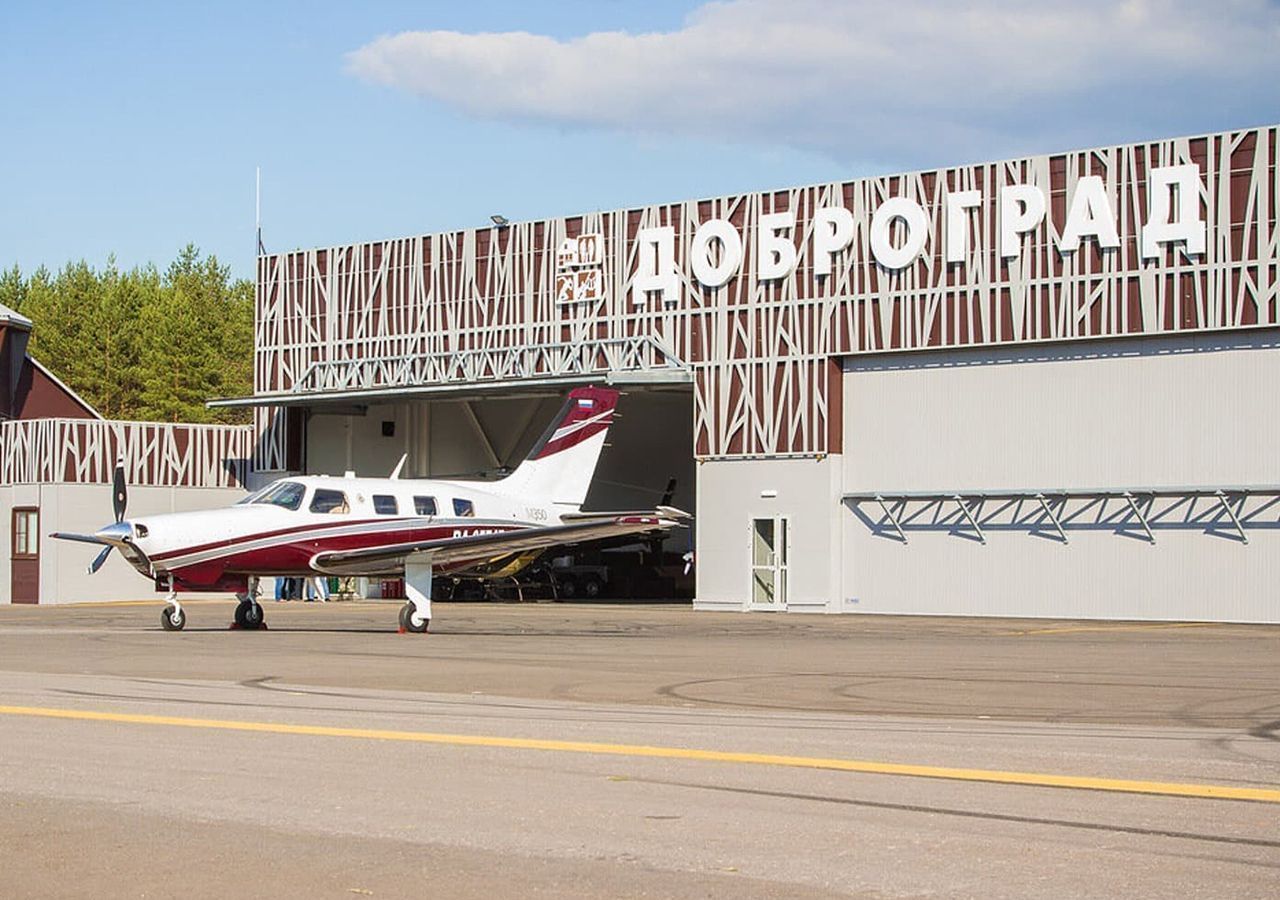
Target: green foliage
[[138, 344]]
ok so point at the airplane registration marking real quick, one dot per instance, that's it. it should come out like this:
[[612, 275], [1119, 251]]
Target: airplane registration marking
[[1026, 779]]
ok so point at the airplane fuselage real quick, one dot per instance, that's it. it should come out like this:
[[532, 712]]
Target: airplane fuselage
[[280, 529]]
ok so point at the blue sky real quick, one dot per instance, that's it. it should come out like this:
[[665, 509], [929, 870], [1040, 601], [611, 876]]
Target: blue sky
[[135, 129]]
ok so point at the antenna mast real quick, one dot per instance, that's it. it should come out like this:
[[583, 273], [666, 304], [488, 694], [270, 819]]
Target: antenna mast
[[257, 209]]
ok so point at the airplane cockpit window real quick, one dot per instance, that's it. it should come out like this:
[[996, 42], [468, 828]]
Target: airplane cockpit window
[[329, 501], [463, 507], [424, 506], [253, 498], [385, 505], [287, 494]]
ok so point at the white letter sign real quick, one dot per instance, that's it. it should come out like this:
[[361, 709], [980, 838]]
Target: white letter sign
[[775, 254], [956, 241], [710, 273], [656, 267], [1090, 216], [917, 227], [1021, 209], [832, 232], [1161, 227]]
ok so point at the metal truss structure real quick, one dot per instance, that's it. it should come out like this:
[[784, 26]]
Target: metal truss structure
[[481, 304], [495, 364], [1209, 509], [85, 451]]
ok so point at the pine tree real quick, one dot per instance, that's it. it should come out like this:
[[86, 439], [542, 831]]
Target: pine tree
[[13, 288], [139, 345]]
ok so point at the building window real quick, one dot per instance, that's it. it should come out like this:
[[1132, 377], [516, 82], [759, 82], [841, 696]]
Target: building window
[[463, 507], [26, 533], [385, 505], [424, 506], [327, 501]]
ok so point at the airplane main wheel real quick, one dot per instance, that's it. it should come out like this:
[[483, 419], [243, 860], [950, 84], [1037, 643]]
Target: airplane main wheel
[[249, 615], [173, 618], [408, 623]]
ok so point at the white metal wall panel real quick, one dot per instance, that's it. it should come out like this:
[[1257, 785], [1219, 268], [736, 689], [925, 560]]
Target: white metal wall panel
[[733, 492], [1160, 411], [1192, 411]]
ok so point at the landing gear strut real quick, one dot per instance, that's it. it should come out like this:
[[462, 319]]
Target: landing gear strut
[[249, 611], [415, 615], [172, 617]]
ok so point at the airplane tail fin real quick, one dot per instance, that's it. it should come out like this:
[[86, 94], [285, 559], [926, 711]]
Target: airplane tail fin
[[559, 468]]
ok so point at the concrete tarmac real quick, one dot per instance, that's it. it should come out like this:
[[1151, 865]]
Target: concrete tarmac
[[511, 753]]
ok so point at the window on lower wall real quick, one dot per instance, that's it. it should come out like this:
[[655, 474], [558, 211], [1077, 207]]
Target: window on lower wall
[[26, 533]]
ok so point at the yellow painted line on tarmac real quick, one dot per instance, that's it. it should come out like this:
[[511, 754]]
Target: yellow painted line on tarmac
[[1155, 626], [1029, 779]]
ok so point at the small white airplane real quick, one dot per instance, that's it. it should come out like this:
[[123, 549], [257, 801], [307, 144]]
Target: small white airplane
[[317, 525]]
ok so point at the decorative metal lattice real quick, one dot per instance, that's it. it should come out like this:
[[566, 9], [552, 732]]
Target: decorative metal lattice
[[85, 451], [470, 304]]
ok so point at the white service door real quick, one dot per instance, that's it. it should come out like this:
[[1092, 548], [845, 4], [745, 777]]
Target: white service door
[[769, 563]]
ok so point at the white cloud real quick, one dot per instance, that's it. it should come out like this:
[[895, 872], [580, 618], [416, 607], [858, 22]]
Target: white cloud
[[874, 79]]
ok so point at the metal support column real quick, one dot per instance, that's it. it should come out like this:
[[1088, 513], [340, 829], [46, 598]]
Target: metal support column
[[964, 507], [1222, 498], [1048, 511], [1133, 505], [888, 514]]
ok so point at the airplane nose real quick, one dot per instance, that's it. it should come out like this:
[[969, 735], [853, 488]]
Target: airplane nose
[[115, 533]]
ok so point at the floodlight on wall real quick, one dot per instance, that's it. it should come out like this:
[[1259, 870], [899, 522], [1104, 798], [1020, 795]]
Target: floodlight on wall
[[500, 221]]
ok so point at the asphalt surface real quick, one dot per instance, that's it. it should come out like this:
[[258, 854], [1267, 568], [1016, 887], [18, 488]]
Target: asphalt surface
[[588, 751]]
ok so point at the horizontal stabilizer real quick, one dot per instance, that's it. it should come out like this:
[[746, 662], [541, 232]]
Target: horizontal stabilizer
[[666, 512]]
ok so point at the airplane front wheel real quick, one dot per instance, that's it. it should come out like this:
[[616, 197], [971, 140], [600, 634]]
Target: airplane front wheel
[[173, 618], [410, 621]]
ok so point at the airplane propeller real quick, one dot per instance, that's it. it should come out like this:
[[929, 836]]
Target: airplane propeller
[[120, 496], [120, 504]]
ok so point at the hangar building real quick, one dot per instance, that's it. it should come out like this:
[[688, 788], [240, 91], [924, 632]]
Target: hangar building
[[1035, 387]]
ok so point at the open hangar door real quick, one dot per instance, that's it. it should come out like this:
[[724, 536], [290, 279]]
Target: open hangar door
[[485, 436]]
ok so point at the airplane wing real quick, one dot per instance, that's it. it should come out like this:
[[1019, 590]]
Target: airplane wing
[[483, 547]]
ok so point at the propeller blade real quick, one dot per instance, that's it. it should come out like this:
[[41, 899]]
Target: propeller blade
[[82, 538], [119, 496], [99, 559], [668, 494]]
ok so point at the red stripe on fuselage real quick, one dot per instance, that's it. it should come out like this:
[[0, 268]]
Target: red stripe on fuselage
[[259, 535], [294, 557]]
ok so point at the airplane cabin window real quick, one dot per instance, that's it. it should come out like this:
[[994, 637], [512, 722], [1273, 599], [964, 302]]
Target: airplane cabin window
[[463, 507], [424, 506], [329, 501], [385, 505], [287, 494]]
